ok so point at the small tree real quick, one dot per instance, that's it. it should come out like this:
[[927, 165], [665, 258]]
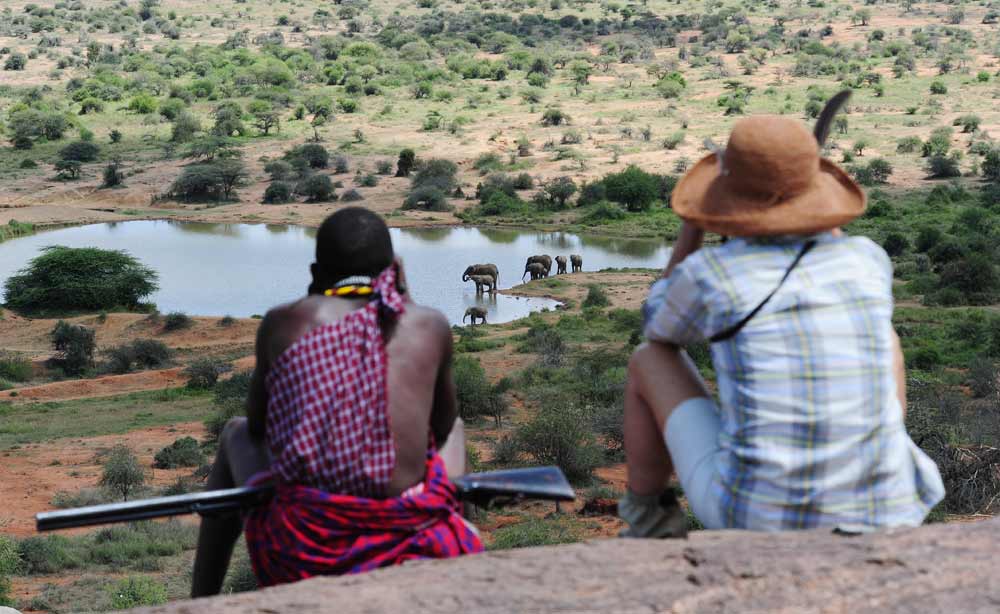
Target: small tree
[[113, 177], [264, 116], [81, 151], [991, 165], [15, 61], [859, 146], [74, 346], [316, 188], [122, 472], [633, 187], [203, 373], [277, 193], [68, 169], [559, 190], [969, 122]]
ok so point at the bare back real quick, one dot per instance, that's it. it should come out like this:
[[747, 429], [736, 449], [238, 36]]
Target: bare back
[[421, 394]]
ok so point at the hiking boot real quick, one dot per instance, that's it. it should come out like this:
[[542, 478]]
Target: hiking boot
[[652, 516]]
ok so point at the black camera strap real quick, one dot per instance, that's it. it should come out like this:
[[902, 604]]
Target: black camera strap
[[731, 332]]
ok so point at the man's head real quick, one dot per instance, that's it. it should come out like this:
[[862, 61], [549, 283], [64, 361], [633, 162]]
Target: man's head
[[352, 241]]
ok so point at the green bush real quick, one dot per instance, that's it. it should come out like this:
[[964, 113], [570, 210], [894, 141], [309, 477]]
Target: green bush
[[80, 151], [230, 402], [14, 367], [315, 155], [136, 591], [74, 346], [908, 144], [426, 198], [85, 278], [203, 373], [895, 244], [472, 389], [317, 188], [122, 472], [183, 452], [559, 436], [927, 238], [177, 320], [596, 297], [47, 554], [938, 87], [405, 163], [436, 173], [277, 193], [10, 563]]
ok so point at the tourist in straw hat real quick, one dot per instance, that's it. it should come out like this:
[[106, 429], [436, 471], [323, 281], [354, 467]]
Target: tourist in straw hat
[[808, 427]]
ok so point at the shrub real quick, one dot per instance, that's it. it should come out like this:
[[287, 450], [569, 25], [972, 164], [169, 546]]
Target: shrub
[[436, 173], [983, 377], [368, 181], [405, 164], [895, 244], [277, 192], [908, 144], [316, 188], [341, 165], [603, 212], [212, 181], [145, 353], [230, 402], [10, 563], [46, 555], [554, 117], [177, 321], [203, 373], [15, 61], [472, 389], [487, 163], [279, 170], [558, 191], [925, 358], [560, 437], [938, 87], [927, 238], [633, 187], [991, 165], [74, 346], [112, 176], [974, 275], [142, 104], [351, 196], [523, 181], [80, 151], [943, 167], [596, 297], [968, 122], [383, 167], [14, 367], [122, 472], [183, 452], [426, 198], [136, 591], [67, 169], [313, 153]]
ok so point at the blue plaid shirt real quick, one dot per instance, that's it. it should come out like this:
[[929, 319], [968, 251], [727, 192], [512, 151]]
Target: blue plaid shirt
[[812, 429]]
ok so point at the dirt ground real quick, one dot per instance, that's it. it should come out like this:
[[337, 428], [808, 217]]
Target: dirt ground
[[33, 473]]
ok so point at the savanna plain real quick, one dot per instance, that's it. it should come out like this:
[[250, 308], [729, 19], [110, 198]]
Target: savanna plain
[[527, 115]]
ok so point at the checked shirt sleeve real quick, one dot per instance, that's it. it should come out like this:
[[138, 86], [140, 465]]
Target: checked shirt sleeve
[[674, 311]]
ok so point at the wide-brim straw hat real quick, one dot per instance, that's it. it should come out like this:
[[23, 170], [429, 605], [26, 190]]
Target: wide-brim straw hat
[[770, 180]]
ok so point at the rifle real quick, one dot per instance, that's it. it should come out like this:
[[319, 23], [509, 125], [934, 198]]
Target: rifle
[[544, 483]]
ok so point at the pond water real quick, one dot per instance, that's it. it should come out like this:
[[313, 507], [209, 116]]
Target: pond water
[[244, 269]]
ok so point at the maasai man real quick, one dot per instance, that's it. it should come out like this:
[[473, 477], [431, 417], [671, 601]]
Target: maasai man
[[351, 392]]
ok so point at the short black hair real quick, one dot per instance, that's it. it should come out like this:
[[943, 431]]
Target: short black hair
[[352, 241]]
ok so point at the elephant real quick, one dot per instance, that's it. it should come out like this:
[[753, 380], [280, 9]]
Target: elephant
[[537, 270], [482, 269], [483, 280], [475, 312], [560, 265], [577, 262], [546, 261]]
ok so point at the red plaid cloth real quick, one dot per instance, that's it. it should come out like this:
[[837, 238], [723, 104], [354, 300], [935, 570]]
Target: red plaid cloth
[[305, 532], [327, 409]]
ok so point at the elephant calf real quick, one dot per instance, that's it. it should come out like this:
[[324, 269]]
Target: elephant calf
[[577, 262], [537, 270], [475, 312], [482, 269], [483, 281], [560, 265]]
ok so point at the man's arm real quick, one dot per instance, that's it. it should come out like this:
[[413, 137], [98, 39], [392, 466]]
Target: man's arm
[[257, 398], [899, 371], [688, 241]]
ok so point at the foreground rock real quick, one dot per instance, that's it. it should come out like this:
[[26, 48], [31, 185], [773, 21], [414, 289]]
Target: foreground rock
[[940, 568]]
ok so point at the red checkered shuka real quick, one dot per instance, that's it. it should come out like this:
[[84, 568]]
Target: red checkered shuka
[[327, 404]]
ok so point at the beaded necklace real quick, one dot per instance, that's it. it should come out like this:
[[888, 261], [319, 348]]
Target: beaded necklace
[[357, 285]]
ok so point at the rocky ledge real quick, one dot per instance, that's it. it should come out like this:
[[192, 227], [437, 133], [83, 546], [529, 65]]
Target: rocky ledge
[[938, 568]]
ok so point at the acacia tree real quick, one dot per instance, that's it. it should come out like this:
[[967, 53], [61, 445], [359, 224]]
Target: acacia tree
[[122, 472], [264, 116]]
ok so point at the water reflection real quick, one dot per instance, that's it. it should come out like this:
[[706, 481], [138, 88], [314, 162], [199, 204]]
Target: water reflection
[[259, 266]]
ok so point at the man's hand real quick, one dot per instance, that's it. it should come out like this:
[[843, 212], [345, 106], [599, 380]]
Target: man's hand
[[688, 241]]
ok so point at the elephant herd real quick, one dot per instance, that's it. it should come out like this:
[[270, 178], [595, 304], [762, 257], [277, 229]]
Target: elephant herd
[[486, 276]]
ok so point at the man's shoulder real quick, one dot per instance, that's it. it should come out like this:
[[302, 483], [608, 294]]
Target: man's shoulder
[[426, 318]]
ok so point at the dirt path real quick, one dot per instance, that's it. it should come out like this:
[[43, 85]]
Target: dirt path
[[33, 474]]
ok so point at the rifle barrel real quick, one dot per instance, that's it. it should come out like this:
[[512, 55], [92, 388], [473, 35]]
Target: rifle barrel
[[547, 483]]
